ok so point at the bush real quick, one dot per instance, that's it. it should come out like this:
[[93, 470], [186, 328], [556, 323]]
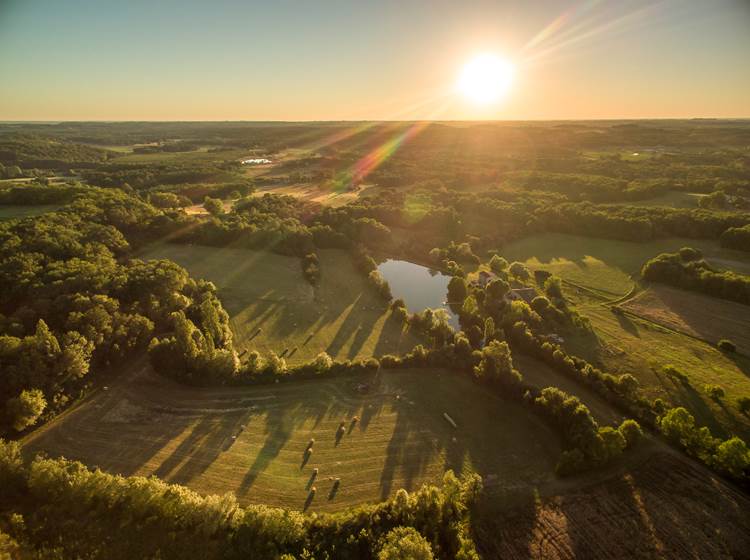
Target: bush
[[689, 254], [726, 345], [498, 264], [673, 372], [213, 206], [733, 457], [519, 270], [743, 403], [631, 431], [25, 409], [716, 392]]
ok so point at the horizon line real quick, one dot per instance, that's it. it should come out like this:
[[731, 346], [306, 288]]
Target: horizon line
[[353, 121]]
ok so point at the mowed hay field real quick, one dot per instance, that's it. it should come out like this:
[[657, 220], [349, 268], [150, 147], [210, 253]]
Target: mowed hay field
[[260, 290], [252, 440], [696, 314], [607, 265]]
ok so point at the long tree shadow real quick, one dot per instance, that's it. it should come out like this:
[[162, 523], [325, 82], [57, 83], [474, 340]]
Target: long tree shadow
[[407, 453], [278, 432], [667, 507], [214, 437], [392, 328], [694, 402], [503, 524], [627, 324]]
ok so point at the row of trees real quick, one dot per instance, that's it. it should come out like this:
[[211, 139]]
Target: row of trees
[[730, 457], [736, 238]]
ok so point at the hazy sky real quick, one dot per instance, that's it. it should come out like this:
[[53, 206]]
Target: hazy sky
[[352, 59]]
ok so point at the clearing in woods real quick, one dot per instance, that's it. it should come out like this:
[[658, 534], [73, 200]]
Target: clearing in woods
[[252, 440], [607, 265], [273, 308]]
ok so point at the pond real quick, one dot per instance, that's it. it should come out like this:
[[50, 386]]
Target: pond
[[420, 287]]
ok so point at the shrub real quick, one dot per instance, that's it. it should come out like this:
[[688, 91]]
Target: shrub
[[613, 441], [726, 345], [733, 457], [672, 371], [688, 254], [213, 206], [631, 431], [498, 264], [519, 270], [553, 287], [322, 363], [716, 392], [744, 404], [25, 409]]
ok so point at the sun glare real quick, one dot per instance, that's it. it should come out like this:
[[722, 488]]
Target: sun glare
[[485, 79]]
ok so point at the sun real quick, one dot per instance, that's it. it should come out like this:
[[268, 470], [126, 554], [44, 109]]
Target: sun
[[486, 78]]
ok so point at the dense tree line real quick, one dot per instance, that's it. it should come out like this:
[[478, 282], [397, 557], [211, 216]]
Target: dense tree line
[[731, 457], [736, 238], [74, 301], [687, 269], [621, 391]]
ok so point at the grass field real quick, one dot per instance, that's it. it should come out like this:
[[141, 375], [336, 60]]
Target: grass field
[[310, 192], [10, 211], [671, 199], [342, 316], [627, 344], [252, 441], [607, 265]]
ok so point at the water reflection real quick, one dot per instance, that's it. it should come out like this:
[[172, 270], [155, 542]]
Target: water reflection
[[419, 286]]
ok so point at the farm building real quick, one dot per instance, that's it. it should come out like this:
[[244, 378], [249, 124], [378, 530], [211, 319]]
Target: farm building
[[483, 278], [521, 294]]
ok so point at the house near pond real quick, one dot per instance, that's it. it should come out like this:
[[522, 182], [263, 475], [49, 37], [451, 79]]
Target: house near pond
[[521, 294], [484, 278]]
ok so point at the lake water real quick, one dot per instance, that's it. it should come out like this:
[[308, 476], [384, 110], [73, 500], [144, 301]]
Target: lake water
[[419, 286]]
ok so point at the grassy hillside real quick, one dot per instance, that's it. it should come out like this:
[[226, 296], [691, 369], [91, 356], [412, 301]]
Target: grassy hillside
[[628, 344], [342, 316]]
